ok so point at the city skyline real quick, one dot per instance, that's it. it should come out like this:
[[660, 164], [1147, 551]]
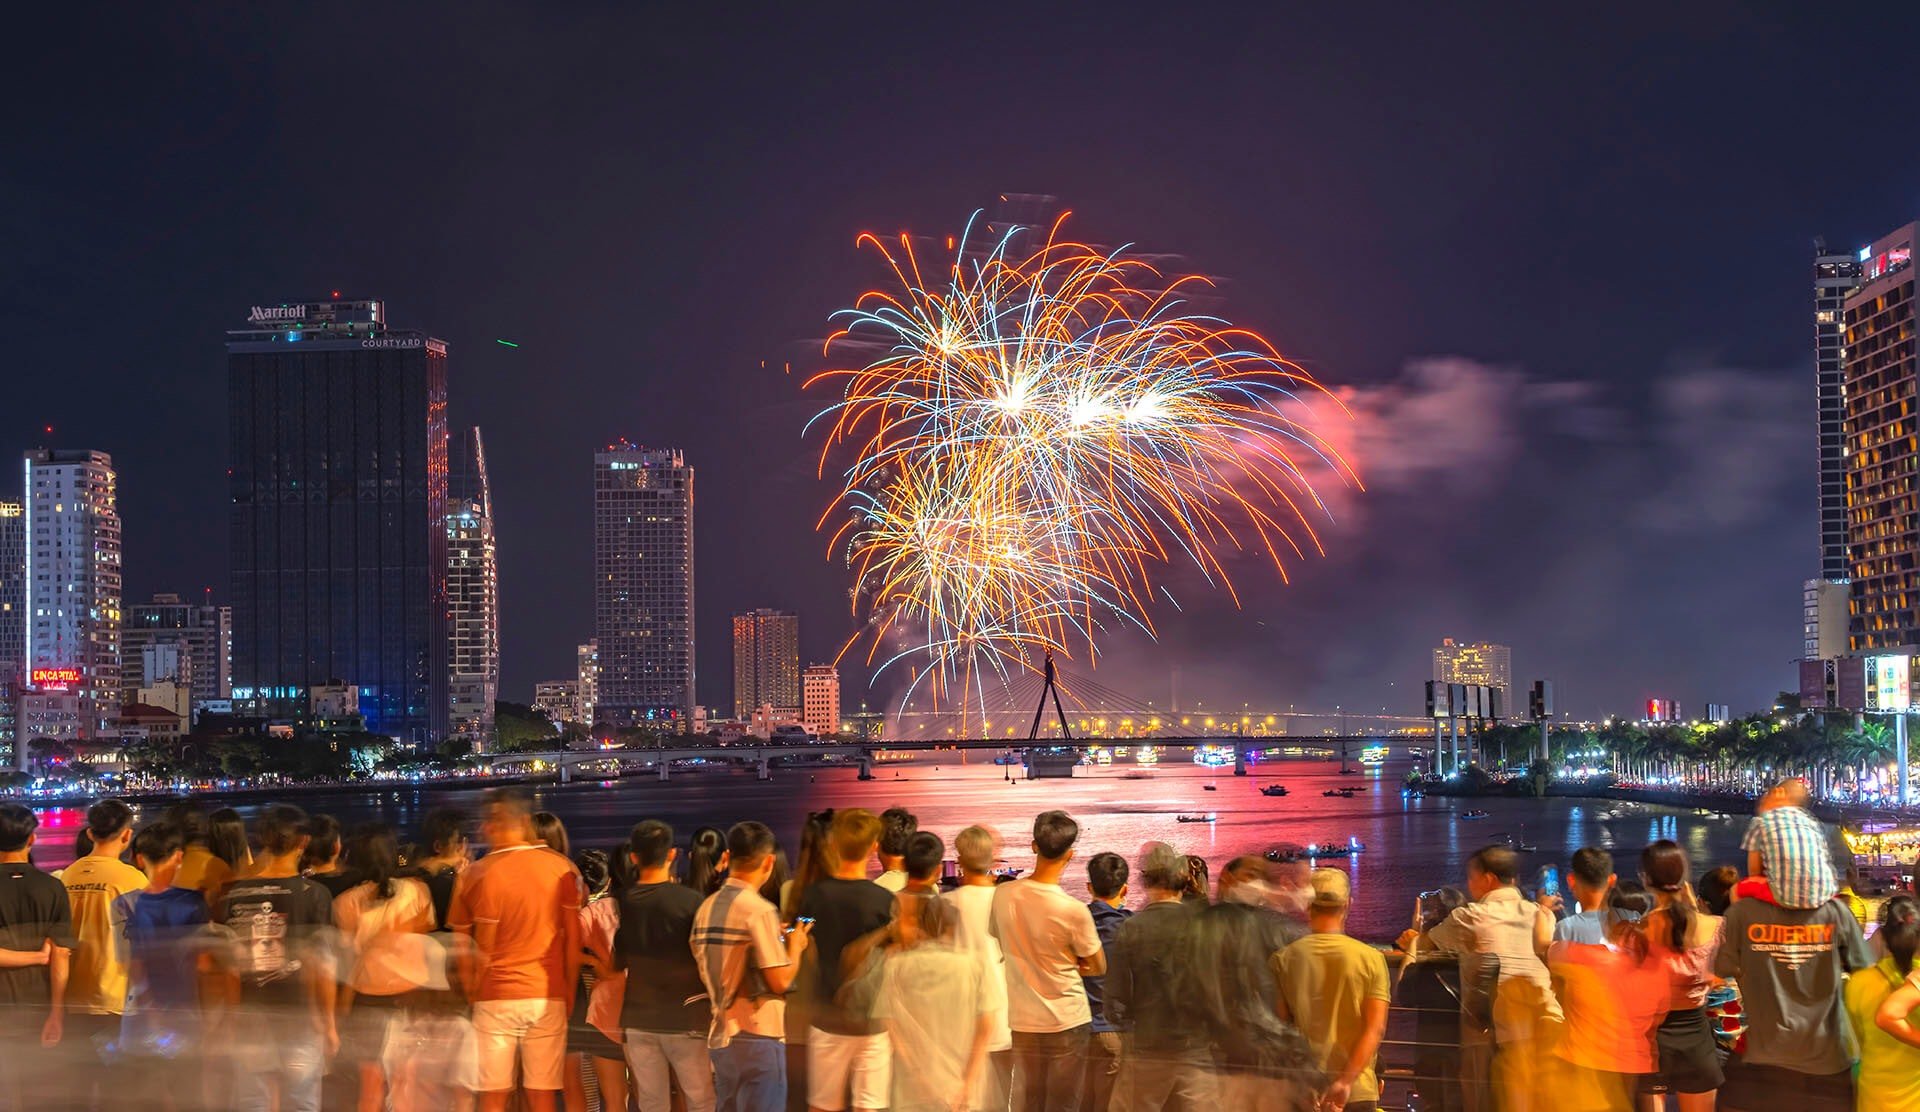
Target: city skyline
[[1518, 369]]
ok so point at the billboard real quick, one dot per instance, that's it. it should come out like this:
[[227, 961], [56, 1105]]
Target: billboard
[[1850, 683], [54, 679], [1889, 683], [1815, 675]]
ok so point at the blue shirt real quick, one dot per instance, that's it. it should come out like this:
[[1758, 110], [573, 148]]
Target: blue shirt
[[163, 932], [1106, 919], [1590, 927]]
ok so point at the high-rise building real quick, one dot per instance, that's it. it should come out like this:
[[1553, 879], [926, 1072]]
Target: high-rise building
[[820, 699], [557, 699], [1476, 663], [1823, 619], [473, 594], [587, 690], [1835, 274], [202, 630], [766, 660], [643, 586], [13, 589], [73, 582], [338, 476], [1881, 426]]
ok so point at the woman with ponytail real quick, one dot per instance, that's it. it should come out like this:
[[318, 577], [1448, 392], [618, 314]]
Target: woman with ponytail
[[1879, 1002], [1682, 939]]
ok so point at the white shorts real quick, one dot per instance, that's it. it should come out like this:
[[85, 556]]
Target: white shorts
[[839, 1063], [532, 1032]]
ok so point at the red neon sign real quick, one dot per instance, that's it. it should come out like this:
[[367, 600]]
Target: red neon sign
[[56, 679]]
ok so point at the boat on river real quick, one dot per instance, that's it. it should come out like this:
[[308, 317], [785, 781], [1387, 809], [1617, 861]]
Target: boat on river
[[1196, 818], [1275, 790], [1467, 816]]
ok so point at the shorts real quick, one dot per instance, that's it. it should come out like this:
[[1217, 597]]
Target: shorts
[[530, 1032], [363, 1034], [839, 1064], [1689, 1059]]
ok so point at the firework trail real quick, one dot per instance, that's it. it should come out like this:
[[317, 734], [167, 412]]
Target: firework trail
[[1040, 431]]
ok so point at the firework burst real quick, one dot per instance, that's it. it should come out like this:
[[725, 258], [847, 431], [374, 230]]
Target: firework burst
[[1036, 434]]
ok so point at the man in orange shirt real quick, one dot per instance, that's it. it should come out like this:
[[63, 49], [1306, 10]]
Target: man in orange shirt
[[520, 906]]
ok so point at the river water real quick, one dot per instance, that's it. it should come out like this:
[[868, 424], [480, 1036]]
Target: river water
[[1411, 845]]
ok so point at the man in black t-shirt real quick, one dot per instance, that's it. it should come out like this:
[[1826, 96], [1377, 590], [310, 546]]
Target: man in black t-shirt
[[36, 939], [664, 1013], [847, 1053], [283, 1028]]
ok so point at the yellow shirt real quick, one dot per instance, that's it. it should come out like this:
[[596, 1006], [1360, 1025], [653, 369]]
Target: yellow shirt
[[206, 874], [97, 979], [1889, 1077]]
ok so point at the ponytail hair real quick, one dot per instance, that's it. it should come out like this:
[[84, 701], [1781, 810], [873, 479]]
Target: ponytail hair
[[1664, 865], [1900, 931]]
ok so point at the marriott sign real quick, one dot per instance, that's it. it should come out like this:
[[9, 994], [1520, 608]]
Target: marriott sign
[[267, 314]]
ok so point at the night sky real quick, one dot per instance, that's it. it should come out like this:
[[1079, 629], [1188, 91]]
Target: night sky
[[1560, 270]]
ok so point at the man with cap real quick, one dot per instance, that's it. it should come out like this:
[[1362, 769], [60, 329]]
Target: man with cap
[[1336, 991]]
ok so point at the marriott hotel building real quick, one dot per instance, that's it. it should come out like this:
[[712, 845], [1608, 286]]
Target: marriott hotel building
[[338, 482]]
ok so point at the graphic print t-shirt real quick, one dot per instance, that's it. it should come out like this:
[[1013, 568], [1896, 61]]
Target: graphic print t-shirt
[[97, 980], [272, 925], [1790, 963]]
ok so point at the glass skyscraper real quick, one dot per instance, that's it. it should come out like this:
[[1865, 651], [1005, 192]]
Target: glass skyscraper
[[338, 464], [473, 594], [643, 587]]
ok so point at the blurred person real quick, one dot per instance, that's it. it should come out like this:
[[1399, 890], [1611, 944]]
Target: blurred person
[[706, 853], [1880, 1003], [1683, 940], [663, 1013], [926, 852], [815, 861], [1591, 880], [1429, 986], [811, 863], [1502, 937], [1790, 962], [520, 907], [976, 849], [1716, 889], [1049, 942], [97, 977], [163, 928], [1335, 989], [1107, 883], [1199, 884], [197, 859], [897, 827], [1788, 847], [36, 931], [283, 1026], [443, 835], [1614, 996], [1162, 1062], [380, 919], [432, 1059], [746, 965], [847, 1055], [552, 833], [322, 863], [932, 1001], [594, 1036], [1228, 988], [227, 838]]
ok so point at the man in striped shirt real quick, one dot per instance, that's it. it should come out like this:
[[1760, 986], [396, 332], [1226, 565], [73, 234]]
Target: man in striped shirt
[[1789, 846], [747, 964]]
